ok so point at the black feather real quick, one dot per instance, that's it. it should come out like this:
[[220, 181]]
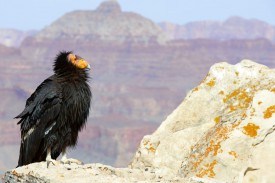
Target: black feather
[[55, 112]]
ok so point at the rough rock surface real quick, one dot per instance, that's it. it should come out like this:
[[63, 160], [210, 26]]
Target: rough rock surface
[[39, 173], [224, 129], [222, 132]]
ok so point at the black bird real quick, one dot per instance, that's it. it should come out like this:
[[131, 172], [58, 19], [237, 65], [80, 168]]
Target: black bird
[[55, 112]]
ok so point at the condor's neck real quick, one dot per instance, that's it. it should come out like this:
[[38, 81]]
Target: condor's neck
[[72, 76]]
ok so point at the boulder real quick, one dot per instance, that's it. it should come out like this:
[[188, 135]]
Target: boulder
[[224, 129]]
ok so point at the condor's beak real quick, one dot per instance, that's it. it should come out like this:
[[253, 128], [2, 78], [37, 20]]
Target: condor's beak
[[79, 62], [88, 67]]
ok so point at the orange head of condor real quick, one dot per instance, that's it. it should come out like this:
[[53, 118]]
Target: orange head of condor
[[78, 61]]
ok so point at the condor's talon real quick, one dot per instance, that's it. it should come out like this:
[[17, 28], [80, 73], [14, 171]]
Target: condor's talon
[[49, 158], [51, 161]]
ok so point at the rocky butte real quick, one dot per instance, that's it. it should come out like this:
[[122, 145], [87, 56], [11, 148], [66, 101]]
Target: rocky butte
[[106, 23], [223, 131]]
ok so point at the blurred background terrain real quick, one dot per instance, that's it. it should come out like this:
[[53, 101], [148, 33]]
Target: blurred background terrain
[[141, 71]]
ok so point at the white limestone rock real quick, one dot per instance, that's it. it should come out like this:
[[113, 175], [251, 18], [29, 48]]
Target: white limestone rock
[[224, 129], [39, 173]]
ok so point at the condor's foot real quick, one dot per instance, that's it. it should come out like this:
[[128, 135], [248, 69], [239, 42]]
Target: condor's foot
[[49, 158]]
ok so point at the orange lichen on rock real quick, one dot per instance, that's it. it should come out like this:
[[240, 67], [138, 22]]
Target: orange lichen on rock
[[236, 124], [208, 170], [221, 133], [212, 149], [239, 94], [211, 83], [152, 149], [195, 89], [269, 111], [232, 108], [196, 164], [260, 102], [145, 143], [251, 130], [238, 99], [244, 116], [221, 92], [231, 95], [233, 153], [217, 119]]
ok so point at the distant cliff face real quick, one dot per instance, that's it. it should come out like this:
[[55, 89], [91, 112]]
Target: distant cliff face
[[107, 23], [232, 28]]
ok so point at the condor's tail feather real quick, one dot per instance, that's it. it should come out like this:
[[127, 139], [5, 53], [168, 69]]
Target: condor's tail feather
[[31, 148]]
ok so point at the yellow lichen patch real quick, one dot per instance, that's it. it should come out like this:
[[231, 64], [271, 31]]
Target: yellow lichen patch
[[233, 153], [236, 124], [243, 96], [212, 149], [152, 149], [231, 95], [145, 142], [251, 130], [237, 73], [244, 116], [217, 119], [211, 83], [260, 102], [208, 170], [273, 90], [232, 108], [221, 92], [269, 111], [238, 99], [195, 89], [239, 94], [234, 82]]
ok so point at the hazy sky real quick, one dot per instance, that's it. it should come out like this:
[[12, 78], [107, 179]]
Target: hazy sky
[[33, 14]]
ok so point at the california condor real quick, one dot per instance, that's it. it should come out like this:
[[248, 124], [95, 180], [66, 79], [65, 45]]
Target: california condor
[[56, 112]]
